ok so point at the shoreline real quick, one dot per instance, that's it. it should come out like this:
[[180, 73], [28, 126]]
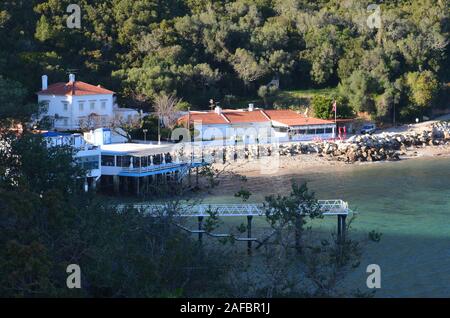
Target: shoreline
[[306, 167], [316, 163]]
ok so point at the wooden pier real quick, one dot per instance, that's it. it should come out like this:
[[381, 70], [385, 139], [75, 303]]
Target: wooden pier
[[338, 208]]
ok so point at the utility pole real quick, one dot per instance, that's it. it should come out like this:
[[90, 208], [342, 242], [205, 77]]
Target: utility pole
[[394, 116], [145, 134], [189, 118], [159, 130]]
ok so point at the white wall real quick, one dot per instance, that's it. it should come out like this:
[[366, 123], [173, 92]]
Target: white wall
[[249, 131], [80, 148], [126, 114], [101, 136], [295, 136], [91, 154], [70, 118], [55, 106], [97, 100], [244, 132], [111, 171]]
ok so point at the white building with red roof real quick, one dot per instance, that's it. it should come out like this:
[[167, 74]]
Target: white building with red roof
[[253, 124], [75, 104]]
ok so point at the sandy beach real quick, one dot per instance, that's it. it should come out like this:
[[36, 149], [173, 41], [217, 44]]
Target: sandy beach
[[266, 174], [283, 165]]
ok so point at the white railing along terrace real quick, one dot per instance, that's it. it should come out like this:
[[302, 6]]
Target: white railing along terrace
[[152, 167], [164, 166]]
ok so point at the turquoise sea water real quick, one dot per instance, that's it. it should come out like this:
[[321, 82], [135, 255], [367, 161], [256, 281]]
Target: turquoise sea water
[[408, 201]]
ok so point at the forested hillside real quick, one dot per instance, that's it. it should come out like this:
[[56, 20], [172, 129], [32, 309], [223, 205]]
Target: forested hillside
[[228, 50]]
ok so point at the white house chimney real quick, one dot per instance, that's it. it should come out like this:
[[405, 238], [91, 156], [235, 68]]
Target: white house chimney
[[251, 107], [44, 82], [218, 110], [71, 78]]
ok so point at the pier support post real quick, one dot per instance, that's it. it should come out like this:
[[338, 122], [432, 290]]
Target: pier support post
[[138, 190], [116, 184], [298, 233], [341, 228], [125, 184], [224, 155], [146, 181], [249, 234], [200, 228], [196, 176]]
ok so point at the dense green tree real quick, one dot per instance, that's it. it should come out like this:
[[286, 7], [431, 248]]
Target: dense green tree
[[359, 89], [323, 107], [13, 94], [247, 66], [387, 104], [423, 88], [48, 222], [268, 93], [202, 49]]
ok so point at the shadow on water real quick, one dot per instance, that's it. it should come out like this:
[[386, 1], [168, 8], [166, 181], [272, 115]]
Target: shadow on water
[[412, 265], [408, 201]]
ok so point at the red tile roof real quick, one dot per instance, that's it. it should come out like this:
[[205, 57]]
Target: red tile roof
[[291, 118], [285, 117], [210, 118], [255, 116], [76, 88]]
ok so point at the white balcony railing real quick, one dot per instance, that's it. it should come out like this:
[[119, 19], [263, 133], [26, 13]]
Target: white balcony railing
[[164, 166]]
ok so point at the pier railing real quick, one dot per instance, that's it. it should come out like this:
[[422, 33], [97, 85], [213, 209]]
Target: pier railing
[[326, 207], [337, 208]]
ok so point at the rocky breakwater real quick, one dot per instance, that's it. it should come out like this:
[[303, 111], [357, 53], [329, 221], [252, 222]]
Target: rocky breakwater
[[374, 147], [361, 148]]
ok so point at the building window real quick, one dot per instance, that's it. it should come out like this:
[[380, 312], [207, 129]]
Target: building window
[[103, 105], [107, 160], [280, 129], [81, 106], [65, 122], [123, 161], [311, 132], [88, 162], [168, 158], [328, 130], [320, 131], [92, 105], [157, 159], [136, 162], [65, 106]]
